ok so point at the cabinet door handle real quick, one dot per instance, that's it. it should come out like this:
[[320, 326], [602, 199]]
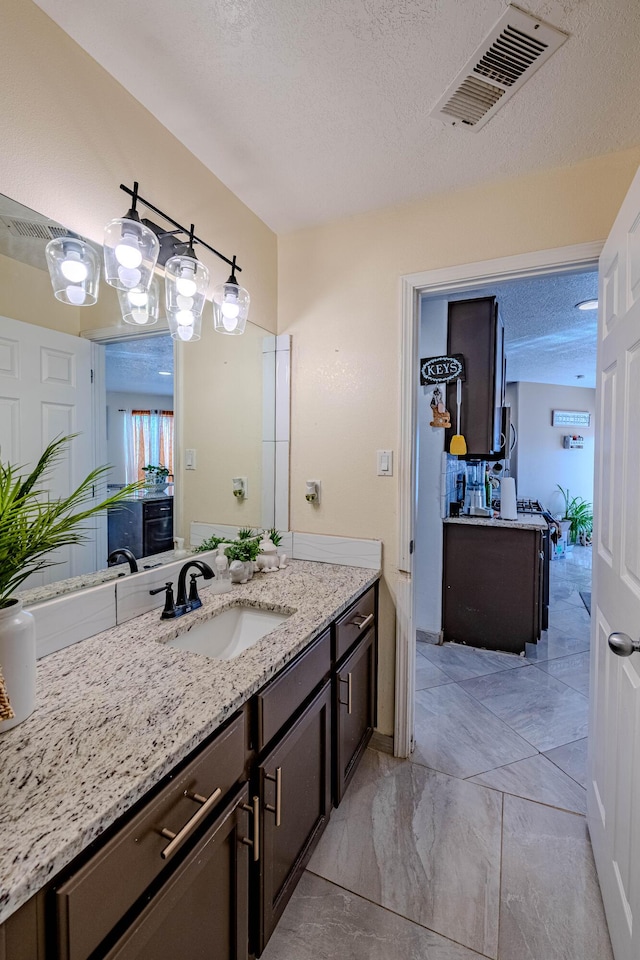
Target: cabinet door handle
[[191, 824], [278, 807], [363, 621], [346, 680], [255, 843]]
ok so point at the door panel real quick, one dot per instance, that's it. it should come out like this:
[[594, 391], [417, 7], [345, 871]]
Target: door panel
[[355, 705], [303, 757], [201, 913], [46, 392], [614, 764]]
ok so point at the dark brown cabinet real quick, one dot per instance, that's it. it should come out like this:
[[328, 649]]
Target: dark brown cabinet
[[355, 698], [202, 911], [492, 586], [204, 865], [295, 790], [144, 526], [476, 331]]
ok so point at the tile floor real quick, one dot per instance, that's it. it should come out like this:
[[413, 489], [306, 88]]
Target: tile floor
[[477, 846]]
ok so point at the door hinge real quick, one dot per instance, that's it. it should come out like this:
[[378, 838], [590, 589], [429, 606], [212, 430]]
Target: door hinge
[[92, 376], [411, 546]]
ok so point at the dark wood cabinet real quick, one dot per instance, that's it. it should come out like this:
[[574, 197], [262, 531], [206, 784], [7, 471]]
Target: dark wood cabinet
[[476, 331], [202, 911], [144, 526], [295, 790], [354, 710], [246, 810], [492, 586]]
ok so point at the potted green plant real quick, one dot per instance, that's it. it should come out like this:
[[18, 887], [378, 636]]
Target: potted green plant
[[155, 475], [32, 526], [577, 519]]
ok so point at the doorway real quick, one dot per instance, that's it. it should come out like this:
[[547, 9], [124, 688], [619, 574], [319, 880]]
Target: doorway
[[414, 288]]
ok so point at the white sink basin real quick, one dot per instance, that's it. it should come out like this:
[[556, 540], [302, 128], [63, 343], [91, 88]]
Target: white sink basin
[[229, 633]]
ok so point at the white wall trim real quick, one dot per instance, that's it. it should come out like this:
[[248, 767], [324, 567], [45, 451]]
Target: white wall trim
[[412, 286]]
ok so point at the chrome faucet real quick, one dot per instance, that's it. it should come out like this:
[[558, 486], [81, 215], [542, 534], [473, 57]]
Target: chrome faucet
[[129, 557], [184, 604]]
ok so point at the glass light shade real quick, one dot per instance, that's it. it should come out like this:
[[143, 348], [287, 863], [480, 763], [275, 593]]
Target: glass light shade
[[185, 286], [74, 268], [141, 307], [230, 308], [185, 325], [130, 254]]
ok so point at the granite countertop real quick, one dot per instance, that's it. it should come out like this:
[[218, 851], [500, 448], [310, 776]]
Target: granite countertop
[[525, 521], [115, 713]]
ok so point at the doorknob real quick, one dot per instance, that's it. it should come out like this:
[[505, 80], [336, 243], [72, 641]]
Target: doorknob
[[622, 644]]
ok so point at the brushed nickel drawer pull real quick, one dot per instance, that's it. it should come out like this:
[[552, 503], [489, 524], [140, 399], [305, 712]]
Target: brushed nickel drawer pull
[[191, 824], [255, 843], [346, 680], [363, 622], [278, 807]]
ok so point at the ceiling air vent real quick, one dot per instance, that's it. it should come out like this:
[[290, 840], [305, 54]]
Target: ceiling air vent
[[35, 229], [517, 45]]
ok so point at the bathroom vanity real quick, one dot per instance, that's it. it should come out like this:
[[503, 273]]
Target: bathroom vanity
[[177, 799]]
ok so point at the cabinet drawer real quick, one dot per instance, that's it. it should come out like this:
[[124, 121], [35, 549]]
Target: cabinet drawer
[[355, 622], [159, 508], [97, 895], [281, 698]]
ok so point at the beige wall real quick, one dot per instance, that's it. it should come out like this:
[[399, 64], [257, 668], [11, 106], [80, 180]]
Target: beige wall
[[72, 134], [25, 294], [339, 298], [228, 433], [543, 463]]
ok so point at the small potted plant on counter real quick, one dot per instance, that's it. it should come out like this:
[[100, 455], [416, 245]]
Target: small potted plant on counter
[[577, 519], [155, 475], [243, 551], [32, 526]]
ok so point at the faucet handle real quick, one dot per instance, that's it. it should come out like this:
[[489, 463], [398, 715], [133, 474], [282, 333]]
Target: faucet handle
[[194, 599], [169, 611]]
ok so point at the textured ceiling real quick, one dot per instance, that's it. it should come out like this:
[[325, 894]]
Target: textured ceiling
[[548, 340], [132, 366], [315, 109]]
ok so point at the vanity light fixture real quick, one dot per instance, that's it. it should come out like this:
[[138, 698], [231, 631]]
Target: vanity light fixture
[[230, 305], [587, 304], [185, 290], [141, 307], [130, 250], [74, 268]]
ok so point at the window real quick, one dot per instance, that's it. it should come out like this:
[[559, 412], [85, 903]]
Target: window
[[149, 440]]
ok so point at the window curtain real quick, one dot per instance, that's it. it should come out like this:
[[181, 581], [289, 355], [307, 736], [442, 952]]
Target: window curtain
[[148, 439]]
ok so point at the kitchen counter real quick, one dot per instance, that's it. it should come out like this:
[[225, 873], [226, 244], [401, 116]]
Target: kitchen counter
[[115, 713], [525, 521]]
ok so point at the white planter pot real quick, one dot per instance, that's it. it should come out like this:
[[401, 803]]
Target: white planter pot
[[18, 661]]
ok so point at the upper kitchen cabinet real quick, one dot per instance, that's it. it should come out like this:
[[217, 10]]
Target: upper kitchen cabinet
[[476, 331]]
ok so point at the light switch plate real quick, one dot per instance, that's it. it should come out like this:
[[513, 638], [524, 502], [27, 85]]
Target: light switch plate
[[385, 463], [190, 459]]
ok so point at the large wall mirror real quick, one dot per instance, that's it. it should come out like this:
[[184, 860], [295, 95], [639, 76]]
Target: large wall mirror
[[205, 410]]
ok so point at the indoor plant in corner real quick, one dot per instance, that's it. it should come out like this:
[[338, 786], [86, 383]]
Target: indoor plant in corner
[[31, 527], [577, 519]]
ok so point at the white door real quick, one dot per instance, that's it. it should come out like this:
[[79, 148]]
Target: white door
[[45, 392], [614, 759]]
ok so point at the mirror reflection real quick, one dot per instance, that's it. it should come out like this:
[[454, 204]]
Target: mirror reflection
[[137, 403]]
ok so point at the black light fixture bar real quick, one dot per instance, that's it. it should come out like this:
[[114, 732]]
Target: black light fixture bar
[[134, 193]]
